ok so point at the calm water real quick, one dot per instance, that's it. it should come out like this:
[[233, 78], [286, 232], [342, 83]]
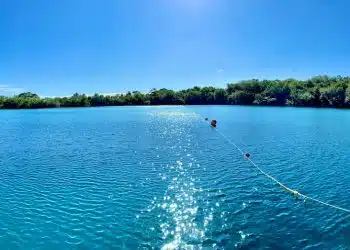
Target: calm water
[[160, 178]]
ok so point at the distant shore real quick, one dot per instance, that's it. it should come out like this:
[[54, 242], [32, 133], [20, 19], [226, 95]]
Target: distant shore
[[318, 91]]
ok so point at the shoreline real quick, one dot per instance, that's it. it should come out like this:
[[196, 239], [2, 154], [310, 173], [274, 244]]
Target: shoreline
[[181, 105], [316, 92]]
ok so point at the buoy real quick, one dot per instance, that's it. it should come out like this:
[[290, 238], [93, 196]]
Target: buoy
[[213, 123]]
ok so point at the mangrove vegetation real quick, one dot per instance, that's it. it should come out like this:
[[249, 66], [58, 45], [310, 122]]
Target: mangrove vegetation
[[319, 91]]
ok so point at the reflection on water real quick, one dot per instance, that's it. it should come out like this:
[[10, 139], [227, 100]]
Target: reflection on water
[[185, 212], [180, 222]]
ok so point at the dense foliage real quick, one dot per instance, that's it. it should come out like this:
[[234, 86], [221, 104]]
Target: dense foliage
[[320, 91]]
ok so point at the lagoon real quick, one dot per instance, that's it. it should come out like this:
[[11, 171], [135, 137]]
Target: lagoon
[[158, 177]]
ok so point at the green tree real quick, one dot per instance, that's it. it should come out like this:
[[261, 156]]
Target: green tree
[[333, 96], [241, 97], [193, 96], [28, 95], [220, 96], [333, 91], [208, 95], [277, 91], [262, 99]]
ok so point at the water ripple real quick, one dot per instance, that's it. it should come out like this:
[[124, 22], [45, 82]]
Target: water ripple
[[159, 178]]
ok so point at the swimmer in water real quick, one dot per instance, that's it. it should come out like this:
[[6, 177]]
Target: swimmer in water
[[213, 123]]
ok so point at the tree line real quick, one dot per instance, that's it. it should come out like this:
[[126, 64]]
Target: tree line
[[319, 91]]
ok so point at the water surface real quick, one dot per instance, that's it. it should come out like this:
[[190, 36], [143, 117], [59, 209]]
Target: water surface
[[161, 178]]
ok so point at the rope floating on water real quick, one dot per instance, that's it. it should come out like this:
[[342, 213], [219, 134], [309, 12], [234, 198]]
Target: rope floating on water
[[293, 192]]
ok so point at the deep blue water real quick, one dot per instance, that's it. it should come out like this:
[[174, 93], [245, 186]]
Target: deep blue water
[[160, 177]]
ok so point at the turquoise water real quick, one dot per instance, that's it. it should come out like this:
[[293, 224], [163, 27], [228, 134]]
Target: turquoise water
[[160, 178]]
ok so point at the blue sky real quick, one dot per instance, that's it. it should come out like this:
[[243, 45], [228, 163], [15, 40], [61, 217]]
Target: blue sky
[[59, 47]]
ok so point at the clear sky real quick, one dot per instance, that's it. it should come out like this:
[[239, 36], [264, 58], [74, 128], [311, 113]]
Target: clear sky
[[58, 47]]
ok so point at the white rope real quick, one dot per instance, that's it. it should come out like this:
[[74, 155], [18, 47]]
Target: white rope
[[292, 191]]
